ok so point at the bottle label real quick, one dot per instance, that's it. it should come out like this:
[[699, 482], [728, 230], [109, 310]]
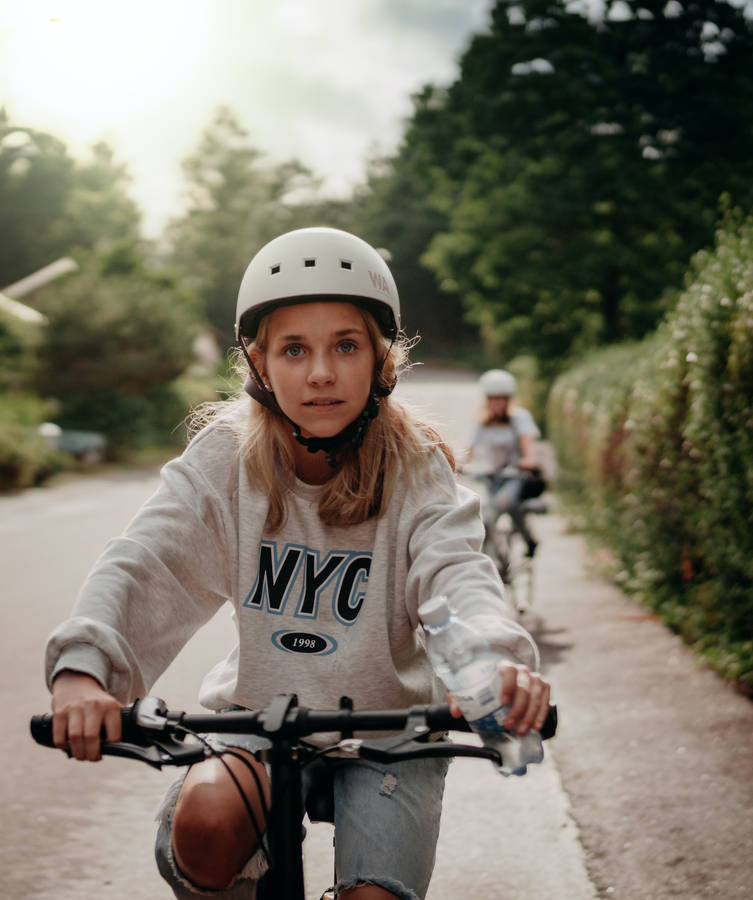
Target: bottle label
[[491, 722], [480, 699]]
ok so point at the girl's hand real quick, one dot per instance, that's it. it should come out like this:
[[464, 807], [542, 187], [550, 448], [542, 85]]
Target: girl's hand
[[527, 695], [81, 707]]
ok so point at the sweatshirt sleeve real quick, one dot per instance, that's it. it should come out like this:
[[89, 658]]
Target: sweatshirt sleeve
[[446, 534], [155, 585], [524, 422]]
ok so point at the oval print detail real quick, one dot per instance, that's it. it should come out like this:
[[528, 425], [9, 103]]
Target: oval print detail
[[304, 642]]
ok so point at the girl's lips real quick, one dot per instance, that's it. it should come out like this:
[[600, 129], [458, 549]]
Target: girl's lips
[[325, 401]]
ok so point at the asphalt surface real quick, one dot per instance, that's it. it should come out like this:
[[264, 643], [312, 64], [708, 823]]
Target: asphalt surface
[[655, 751]]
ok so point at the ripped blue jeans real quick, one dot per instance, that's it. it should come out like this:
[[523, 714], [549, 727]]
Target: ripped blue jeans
[[386, 826]]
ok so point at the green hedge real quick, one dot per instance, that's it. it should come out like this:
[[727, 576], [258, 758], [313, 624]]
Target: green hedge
[[657, 437], [19, 342], [25, 457]]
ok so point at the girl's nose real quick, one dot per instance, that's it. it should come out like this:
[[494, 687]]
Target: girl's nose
[[321, 372]]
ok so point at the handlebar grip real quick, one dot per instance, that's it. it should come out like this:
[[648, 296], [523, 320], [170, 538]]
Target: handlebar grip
[[41, 729], [550, 724], [439, 718]]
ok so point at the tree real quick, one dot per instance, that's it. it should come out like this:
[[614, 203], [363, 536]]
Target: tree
[[52, 205], [394, 210], [118, 335], [35, 177], [234, 207], [98, 212], [587, 164], [19, 341]]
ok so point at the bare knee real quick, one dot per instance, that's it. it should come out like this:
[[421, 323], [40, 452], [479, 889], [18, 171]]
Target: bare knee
[[213, 835], [367, 892]]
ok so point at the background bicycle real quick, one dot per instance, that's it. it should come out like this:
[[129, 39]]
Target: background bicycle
[[517, 565], [511, 541]]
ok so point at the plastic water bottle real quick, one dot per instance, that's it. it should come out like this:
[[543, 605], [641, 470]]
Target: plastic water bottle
[[469, 668]]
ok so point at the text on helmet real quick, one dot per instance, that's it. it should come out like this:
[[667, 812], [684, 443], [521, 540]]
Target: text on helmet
[[379, 282]]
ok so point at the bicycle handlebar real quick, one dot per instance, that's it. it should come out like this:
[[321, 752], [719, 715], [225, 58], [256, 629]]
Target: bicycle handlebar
[[154, 735]]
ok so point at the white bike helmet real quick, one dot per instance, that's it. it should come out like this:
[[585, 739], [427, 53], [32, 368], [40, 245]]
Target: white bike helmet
[[498, 383], [317, 264], [304, 266]]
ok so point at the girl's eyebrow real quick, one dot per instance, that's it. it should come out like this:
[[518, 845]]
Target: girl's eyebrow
[[342, 333]]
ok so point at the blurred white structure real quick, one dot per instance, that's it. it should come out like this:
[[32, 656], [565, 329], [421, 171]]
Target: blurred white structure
[[40, 278], [21, 311]]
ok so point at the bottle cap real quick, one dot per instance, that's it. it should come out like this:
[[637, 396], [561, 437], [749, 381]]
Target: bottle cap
[[434, 611]]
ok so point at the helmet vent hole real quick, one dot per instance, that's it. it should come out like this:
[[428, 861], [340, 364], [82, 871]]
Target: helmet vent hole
[[309, 263], [275, 270], [346, 264]]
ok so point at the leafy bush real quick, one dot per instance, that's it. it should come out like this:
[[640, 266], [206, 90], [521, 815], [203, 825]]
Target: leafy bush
[[118, 337], [25, 457], [18, 343], [659, 438]]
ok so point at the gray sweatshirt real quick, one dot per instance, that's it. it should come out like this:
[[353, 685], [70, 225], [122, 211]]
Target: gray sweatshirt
[[320, 611]]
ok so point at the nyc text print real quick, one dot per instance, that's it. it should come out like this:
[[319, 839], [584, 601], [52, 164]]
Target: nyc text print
[[294, 581]]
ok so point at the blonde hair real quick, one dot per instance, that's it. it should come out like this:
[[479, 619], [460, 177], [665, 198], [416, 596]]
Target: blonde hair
[[487, 417], [364, 478]]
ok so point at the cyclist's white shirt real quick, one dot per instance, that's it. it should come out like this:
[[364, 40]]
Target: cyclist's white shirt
[[321, 611], [497, 445]]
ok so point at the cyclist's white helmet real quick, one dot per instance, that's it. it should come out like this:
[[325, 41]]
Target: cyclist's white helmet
[[498, 383], [317, 264]]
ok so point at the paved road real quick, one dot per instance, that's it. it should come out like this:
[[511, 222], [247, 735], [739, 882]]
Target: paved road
[[655, 751], [646, 792]]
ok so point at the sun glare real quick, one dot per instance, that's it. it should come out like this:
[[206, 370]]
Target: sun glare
[[93, 62]]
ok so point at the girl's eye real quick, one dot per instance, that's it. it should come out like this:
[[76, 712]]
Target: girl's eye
[[347, 347], [293, 350]]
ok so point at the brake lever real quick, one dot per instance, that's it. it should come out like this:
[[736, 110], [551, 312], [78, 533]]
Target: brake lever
[[150, 715], [411, 749], [164, 751], [143, 725], [412, 744]]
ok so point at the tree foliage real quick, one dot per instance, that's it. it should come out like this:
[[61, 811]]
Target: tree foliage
[[394, 210], [235, 205], [579, 164], [657, 439], [25, 456], [118, 335], [18, 346], [98, 212], [52, 205]]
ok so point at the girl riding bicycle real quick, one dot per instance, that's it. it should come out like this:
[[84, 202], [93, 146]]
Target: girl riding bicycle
[[504, 441], [325, 512]]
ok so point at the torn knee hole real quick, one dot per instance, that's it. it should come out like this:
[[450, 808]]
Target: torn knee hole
[[388, 785]]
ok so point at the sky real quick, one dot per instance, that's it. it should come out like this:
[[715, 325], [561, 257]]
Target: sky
[[328, 82]]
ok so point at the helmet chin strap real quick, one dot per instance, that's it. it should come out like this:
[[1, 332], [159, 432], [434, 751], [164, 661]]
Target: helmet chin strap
[[352, 435]]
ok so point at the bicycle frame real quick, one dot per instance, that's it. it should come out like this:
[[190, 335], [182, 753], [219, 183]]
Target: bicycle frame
[[516, 564], [510, 552], [154, 735]]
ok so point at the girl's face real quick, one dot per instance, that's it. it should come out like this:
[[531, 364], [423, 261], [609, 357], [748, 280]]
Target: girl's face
[[319, 362], [498, 406]]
